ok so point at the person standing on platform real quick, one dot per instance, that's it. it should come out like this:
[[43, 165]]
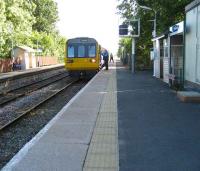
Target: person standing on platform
[[105, 58], [111, 58]]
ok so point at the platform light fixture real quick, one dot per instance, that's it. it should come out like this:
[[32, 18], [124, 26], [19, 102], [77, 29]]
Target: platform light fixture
[[150, 9]]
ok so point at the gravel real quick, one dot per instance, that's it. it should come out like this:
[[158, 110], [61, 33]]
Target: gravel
[[16, 108]]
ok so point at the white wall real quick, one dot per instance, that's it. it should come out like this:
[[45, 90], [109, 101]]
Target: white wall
[[192, 35], [157, 58], [33, 58], [26, 60]]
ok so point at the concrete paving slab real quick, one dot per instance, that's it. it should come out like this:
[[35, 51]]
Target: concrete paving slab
[[99, 169], [80, 115], [52, 157], [99, 84], [62, 132], [189, 96], [90, 100], [102, 148], [102, 131], [105, 109], [105, 138], [106, 124], [97, 87], [105, 117], [101, 161]]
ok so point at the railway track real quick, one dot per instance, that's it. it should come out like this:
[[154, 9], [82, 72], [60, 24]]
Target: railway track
[[25, 90], [17, 111]]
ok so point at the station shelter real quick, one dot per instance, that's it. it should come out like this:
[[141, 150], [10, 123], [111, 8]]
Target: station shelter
[[176, 53], [160, 57], [167, 55], [24, 57], [192, 43]]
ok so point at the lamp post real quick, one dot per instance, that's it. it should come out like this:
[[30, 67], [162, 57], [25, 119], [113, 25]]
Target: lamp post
[[1, 39], [148, 8], [10, 30]]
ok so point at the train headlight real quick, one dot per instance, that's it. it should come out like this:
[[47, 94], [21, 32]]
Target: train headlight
[[70, 61], [93, 60]]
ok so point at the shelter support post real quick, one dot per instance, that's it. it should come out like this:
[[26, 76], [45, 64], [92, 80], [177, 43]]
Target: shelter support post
[[133, 56]]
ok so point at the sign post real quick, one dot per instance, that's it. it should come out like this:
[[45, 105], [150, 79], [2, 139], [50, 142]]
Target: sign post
[[133, 56], [131, 30]]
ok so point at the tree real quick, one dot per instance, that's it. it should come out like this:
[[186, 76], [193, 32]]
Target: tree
[[30, 23], [2, 27], [46, 14], [16, 23], [168, 13]]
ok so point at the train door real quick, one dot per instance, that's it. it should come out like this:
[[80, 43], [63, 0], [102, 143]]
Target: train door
[[198, 47]]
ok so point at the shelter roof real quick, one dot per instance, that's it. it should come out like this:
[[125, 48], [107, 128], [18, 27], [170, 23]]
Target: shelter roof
[[192, 5], [26, 48]]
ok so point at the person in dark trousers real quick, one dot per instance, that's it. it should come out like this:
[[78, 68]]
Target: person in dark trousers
[[105, 58], [111, 58]]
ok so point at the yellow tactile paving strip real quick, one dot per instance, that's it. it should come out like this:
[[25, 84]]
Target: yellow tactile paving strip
[[103, 150]]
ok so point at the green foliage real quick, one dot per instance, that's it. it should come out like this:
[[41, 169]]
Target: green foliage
[[30, 23], [168, 12], [46, 14], [124, 50], [15, 22]]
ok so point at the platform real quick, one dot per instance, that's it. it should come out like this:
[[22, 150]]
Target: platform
[[189, 96], [17, 79], [22, 73], [118, 121], [83, 135]]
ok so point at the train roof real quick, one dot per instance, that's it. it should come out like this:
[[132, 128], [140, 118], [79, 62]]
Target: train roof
[[82, 40]]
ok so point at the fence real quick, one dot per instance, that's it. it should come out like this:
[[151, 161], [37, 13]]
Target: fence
[[5, 65], [46, 60]]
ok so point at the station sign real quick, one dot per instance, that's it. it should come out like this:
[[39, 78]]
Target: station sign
[[177, 29], [135, 25], [123, 29], [130, 28]]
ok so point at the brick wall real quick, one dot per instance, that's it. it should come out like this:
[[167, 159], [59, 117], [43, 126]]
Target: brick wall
[[46, 60], [5, 65]]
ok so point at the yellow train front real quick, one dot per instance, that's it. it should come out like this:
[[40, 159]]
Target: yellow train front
[[82, 56]]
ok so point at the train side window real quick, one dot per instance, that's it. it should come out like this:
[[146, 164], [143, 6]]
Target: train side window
[[91, 50], [71, 51], [81, 51]]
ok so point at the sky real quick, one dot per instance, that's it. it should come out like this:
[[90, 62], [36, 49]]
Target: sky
[[90, 18]]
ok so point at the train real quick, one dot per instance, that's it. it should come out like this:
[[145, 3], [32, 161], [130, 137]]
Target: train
[[83, 56]]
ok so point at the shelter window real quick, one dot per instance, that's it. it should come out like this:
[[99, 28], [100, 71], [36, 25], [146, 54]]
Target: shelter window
[[71, 51], [91, 50], [81, 51]]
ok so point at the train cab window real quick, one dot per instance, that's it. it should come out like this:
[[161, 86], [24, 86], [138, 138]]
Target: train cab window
[[70, 51], [81, 51], [91, 51]]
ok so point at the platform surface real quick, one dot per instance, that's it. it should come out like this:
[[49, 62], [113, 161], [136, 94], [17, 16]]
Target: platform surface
[[189, 96], [8, 75], [119, 121]]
